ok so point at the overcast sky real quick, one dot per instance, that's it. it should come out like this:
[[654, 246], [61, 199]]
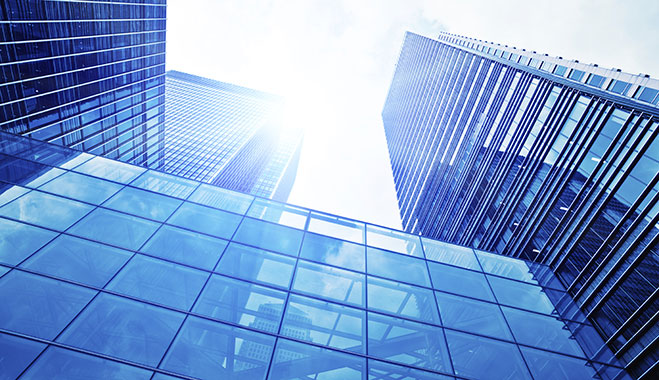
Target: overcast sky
[[333, 61]]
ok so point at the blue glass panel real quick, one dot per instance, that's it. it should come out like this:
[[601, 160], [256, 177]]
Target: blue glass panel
[[331, 283], [241, 302], [82, 187], [482, 358], [39, 306], [205, 219], [143, 203], [58, 363], [505, 266], [279, 213], [546, 365], [294, 361], [45, 177], [402, 300], [78, 260], [165, 184], [472, 316], [160, 282], [393, 240], [460, 281], [210, 350], [382, 370], [521, 295], [220, 198], [337, 227], [45, 210], [16, 354], [269, 236], [397, 267], [18, 240], [115, 228], [407, 342], [541, 331], [185, 247], [334, 252], [450, 254], [123, 328], [256, 265], [325, 323], [110, 169], [11, 193], [75, 161], [3, 270]]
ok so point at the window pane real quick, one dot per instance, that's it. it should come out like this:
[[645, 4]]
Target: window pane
[[82, 187], [402, 300], [393, 240], [115, 228], [124, 328], [460, 281], [165, 184], [110, 169], [39, 306], [211, 350], [256, 265], [325, 323], [143, 203], [382, 370], [337, 227], [505, 266], [472, 316], [159, 281], [10, 193], [519, 294], [269, 236], [45, 210], [45, 177], [18, 240], [279, 213], [220, 198], [450, 254], [185, 247], [334, 252], [546, 365], [330, 283], [241, 302], [78, 260], [205, 219], [397, 267], [294, 361], [17, 354], [75, 161]]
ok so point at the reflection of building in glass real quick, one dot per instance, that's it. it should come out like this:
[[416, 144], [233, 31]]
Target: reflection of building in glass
[[537, 158]]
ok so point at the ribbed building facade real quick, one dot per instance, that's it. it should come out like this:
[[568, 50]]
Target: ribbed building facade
[[538, 158], [229, 136], [85, 74]]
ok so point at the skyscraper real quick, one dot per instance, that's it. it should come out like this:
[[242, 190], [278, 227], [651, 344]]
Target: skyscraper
[[111, 270], [229, 136], [85, 74], [540, 158]]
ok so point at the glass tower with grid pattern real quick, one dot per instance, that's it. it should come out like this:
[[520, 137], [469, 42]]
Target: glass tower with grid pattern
[[538, 158], [111, 270], [230, 136], [86, 74]]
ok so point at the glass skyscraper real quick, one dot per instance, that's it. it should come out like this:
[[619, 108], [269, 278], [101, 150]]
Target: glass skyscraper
[[85, 74], [110, 270], [229, 136], [539, 158]]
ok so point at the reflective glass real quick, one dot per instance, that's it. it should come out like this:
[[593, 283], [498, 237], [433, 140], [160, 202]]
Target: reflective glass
[[115, 228], [519, 294], [325, 323], [337, 227], [381, 370], [220, 198], [75, 161], [45, 177], [185, 247], [472, 316], [269, 236], [110, 169], [82, 187], [397, 267], [393, 240], [256, 265], [483, 358], [241, 302], [334, 252], [78, 260], [210, 350], [11, 193], [3, 270], [58, 363], [123, 328], [45, 210], [164, 183], [546, 365], [18, 240], [205, 219], [159, 281], [407, 342], [402, 300], [293, 361], [279, 213], [505, 266], [450, 254], [331, 283], [460, 281], [143, 203], [39, 306], [16, 354]]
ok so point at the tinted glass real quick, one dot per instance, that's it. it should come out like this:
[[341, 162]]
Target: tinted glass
[[393, 240], [165, 184], [115, 228], [269, 236], [331, 283], [334, 252], [109, 169], [221, 198], [143, 203], [18, 240], [205, 219], [17, 354], [300, 361], [401, 299], [45, 210], [256, 265], [472, 316], [450, 254], [185, 247], [82, 187], [397, 267], [460, 281]]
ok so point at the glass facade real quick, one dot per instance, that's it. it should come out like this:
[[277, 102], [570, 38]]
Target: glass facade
[[86, 74], [491, 151], [229, 136], [140, 274]]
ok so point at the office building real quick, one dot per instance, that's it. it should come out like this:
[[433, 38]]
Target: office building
[[111, 270], [539, 158], [229, 136], [85, 74]]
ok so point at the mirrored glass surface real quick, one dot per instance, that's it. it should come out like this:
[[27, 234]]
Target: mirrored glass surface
[[334, 252], [115, 228], [205, 219], [397, 267], [393, 240], [279, 213], [18, 240], [460, 281], [221, 198], [9, 193], [330, 283], [336, 227], [505, 266], [269, 236], [82, 187], [75, 161], [165, 184], [45, 177], [547, 365], [110, 169], [257, 265], [472, 316], [450, 254], [522, 295], [143, 203], [294, 361], [382, 370], [185, 247], [402, 300], [45, 210], [17, 354]]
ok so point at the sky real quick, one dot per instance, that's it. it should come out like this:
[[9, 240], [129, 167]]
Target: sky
[[333, 61]]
